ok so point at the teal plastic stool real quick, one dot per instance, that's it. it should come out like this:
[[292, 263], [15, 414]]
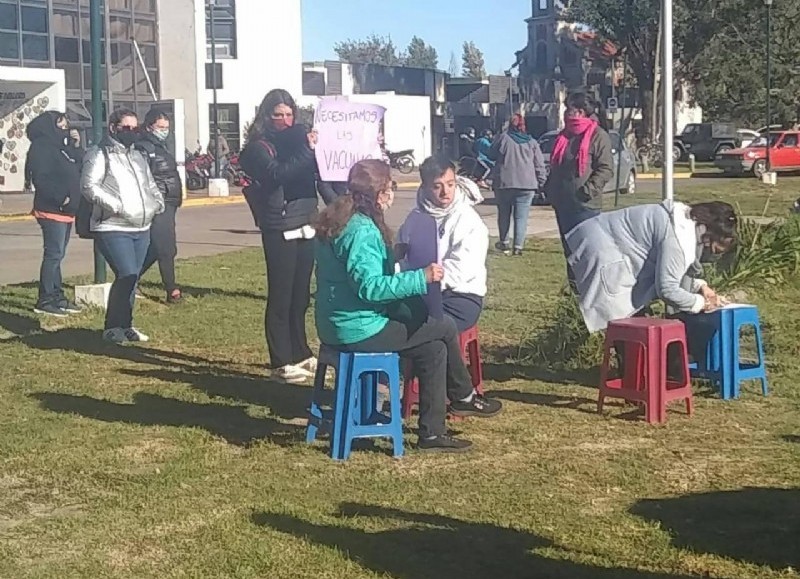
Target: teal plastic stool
[[354, 413]]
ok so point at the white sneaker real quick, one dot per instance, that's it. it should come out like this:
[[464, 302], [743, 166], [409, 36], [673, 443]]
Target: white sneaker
[[115, 336], [291, 374], [134, 335], [310, 365]]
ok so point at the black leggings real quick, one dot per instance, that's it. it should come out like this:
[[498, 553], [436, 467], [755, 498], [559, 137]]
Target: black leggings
[[432, 346], [163, 247], [289, 267]]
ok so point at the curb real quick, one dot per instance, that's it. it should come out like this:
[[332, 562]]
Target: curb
[[658, 176], [197, 202]]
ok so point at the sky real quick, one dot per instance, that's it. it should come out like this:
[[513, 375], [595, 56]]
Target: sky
[[496, 26]]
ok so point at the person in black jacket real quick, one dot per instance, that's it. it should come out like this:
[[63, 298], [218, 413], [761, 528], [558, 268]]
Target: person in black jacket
[[279, 157], [163, 242], [53, 167]]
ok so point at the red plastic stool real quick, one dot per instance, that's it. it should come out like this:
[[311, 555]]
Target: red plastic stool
[[644, 377], [470, 350]]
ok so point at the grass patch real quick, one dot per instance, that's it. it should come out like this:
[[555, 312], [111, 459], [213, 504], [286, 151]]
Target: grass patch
[[180, 459]]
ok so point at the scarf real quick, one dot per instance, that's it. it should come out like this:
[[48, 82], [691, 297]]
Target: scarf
[[575, 127], [519, 137], [467, 192]]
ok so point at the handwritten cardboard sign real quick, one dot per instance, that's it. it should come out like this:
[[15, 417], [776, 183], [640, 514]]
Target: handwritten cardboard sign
[[348, 133]]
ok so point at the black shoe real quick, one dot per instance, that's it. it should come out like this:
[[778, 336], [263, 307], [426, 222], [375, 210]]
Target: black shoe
[[50, 310], [444, 443], [517, 252], [70, 307], [479, 406], [503, 248]]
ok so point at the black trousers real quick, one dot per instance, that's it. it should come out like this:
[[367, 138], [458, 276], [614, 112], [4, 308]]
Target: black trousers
[[289, 267], [432, 346], [163, 247]]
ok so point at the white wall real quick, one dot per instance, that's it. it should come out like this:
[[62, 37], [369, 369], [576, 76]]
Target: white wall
[[269, 56], [29, 92]]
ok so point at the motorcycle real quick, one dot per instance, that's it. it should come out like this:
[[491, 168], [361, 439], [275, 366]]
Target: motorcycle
[[235, 174], [403, 161], [469, 167], [198, 170]]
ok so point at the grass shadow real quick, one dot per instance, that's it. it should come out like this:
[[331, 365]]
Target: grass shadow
[[589, 377], [752, 525], [426, 546], [202, 292], [283, 400], [231, 423], [792, 438], [18, 326]]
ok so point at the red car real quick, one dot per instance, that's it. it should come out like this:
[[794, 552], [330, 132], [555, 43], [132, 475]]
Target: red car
[[784, 155]]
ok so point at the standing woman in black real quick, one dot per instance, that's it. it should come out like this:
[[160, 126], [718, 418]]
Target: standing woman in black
[[279, 157], [163, 241]]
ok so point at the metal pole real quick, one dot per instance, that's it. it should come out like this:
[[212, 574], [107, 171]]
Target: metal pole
[[95, 32], [215, 120], [668, 130], [621, 108], [769, 83]]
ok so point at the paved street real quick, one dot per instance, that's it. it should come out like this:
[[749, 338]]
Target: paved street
[[201, 231]]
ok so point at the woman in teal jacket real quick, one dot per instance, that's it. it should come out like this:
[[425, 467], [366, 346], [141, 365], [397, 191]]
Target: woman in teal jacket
[[362, 305]]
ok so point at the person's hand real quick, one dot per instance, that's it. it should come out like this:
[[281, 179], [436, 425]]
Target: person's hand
[[434, 273], [708, 293], [313, 139]]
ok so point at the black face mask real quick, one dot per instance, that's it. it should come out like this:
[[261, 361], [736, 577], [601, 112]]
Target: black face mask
[[127, 138]]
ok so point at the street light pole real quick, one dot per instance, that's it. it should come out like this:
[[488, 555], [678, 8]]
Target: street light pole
[[215, 120], [668, 91], [769, 82], [95, 32]]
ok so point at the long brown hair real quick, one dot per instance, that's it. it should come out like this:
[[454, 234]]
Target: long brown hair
[[367, 180], [262, 123]]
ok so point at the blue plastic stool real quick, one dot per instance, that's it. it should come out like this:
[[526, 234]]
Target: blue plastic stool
[[354, 413], [723, 363]]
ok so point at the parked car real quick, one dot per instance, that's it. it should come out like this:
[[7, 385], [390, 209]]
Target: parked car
[[747, 136], [706, 140], [623, 157], [784, 155]]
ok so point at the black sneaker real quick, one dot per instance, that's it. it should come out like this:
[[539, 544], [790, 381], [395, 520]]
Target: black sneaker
[[444, 444], [50, 310], [517, 252], [503, 248], [69, 307], [479, 406]]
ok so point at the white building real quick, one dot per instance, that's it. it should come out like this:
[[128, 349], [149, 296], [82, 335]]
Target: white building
[[156, 50]]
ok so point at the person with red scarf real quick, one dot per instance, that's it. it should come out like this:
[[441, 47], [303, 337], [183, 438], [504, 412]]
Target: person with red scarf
[[580, 165]]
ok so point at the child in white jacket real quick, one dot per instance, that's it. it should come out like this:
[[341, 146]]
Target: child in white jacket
[[462, 238]]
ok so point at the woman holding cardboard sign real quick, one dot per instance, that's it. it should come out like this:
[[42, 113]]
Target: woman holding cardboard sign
[[279, 157]]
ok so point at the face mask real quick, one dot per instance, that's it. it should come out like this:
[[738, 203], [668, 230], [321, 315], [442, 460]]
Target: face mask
[[127, 138], [282, 124], [161, 134]]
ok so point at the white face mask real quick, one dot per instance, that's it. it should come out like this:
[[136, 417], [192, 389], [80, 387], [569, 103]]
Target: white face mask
[[161, 134]]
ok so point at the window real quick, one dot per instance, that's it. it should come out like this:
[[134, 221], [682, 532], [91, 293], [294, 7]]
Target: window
[[542, 4], [121, 53], [228, 122], [146, 6], [149, 55], [224, 29], [35, 47], [86, 46], [541, 57], [65, 23], [144, 31], [122, 80], [119, 28], [9, 45], [34, 19], [67, 49], [8, 17], [790, 141], [72, 74]]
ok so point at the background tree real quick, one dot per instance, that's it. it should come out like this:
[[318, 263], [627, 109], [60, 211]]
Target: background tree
[[371, 50], [419, 54], [452, 68], [727, 66], [472, 62]]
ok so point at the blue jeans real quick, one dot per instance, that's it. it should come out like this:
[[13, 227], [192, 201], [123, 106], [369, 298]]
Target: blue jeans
[[125, 252], [55, 235], [518, 202]]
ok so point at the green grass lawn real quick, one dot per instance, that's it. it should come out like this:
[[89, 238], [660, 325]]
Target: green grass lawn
[[749, 195], [180, 459]]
